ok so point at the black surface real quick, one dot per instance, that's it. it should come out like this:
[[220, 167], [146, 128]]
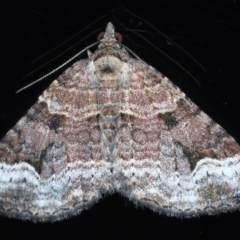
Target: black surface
[[208, 30]]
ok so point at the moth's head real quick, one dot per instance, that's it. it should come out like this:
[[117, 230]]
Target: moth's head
[[109, 37], [110, 45]]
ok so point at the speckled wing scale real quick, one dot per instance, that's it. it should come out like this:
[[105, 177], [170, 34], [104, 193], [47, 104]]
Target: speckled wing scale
[[112, 123]]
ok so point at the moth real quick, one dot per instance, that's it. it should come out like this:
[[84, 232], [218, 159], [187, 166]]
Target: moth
[[111, 123]]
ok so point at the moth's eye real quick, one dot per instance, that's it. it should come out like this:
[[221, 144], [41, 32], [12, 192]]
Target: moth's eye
[[118, 36], [100, 36]]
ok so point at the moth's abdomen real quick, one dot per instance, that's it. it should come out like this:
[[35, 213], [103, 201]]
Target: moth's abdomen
[[109, 117]]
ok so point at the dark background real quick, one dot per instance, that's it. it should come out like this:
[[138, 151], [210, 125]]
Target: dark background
[[207, 30]]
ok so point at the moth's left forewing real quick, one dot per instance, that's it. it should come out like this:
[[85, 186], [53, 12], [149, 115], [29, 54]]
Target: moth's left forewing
[[52, 162]]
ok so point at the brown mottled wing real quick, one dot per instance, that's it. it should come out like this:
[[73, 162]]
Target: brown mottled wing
[[172, 157], [52, 162], [112, 123]]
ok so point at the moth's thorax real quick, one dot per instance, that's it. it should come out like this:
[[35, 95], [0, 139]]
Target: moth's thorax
[[108, 73]]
